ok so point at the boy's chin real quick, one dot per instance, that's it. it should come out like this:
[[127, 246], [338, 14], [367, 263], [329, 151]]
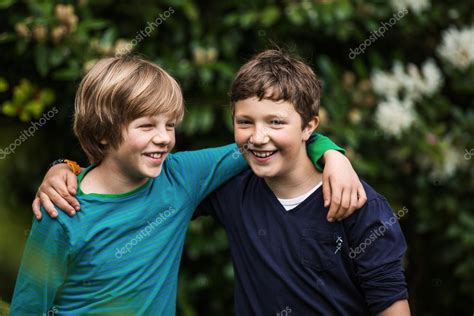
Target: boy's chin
[[261, 173], [154, 173]]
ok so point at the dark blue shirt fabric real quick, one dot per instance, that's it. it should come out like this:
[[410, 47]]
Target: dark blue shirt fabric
[[297, 263]]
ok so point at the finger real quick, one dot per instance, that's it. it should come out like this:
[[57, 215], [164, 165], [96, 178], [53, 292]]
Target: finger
[[47, 205], [59, 193], [362, 196], [336, 195], [326, 192], [71, 182], [354, 205], [345, 203], [36, 208], [58, 200]]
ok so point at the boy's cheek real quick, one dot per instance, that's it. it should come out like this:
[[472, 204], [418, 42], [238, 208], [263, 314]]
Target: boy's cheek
[[240, 139]]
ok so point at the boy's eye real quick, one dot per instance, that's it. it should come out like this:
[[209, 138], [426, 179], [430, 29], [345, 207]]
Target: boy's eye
[[146, 126], [276, 122], [243, 122], [171, 125]]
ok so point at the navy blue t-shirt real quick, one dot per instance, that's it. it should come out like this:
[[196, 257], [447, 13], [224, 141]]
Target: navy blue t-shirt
[[297, 263]]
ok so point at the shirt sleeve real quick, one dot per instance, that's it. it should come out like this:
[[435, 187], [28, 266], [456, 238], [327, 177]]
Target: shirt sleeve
[[377, 246], [203, 171], [43, 268], [317, 145]]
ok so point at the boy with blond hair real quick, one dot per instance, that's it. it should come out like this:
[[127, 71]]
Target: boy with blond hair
[[120, 255]]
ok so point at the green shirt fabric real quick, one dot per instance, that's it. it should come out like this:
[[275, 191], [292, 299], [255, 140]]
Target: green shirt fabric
[[120, 254]]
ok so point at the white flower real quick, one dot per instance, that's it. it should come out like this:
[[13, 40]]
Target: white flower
[[394, 116], [415, 5], [385, 84], [452, 159], [433, 78], [457, 47], [410, 82]]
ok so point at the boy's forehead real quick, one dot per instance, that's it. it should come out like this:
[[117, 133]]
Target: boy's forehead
[[253, 105], [157, 117]]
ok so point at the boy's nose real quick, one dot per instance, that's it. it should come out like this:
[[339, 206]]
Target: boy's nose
[[161, 138], [259, 136]]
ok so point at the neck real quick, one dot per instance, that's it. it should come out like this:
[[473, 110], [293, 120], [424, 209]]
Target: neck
[[302, 178], [109, 178]]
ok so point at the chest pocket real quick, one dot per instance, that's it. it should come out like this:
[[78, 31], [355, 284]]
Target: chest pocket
[[317, 249]]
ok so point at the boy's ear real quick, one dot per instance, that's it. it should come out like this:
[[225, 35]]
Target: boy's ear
[[310, 127]]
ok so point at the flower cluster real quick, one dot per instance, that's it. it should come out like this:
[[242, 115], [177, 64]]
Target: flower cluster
[[417, 6], [394, 116], [36, 28], [457, 47], [410, 83], [400, 89]]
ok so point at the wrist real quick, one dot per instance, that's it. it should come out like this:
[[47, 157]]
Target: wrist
[[330, 153], [71, 165]]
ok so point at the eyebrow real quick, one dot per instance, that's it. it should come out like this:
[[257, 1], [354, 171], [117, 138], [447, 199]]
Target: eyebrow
[[270, 116]]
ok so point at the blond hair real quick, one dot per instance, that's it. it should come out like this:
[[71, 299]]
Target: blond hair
[[117, 91]]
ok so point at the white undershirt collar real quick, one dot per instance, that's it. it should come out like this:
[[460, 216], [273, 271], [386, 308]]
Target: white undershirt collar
[[290, 204]]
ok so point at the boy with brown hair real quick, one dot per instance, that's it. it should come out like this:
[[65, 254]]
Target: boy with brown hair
[[288, 259], [120, 255]]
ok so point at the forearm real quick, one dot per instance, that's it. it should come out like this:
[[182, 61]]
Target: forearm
[[318, 147], [399, 308]]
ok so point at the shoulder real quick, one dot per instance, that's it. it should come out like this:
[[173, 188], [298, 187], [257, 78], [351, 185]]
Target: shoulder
[[235, 188], [60, 221], [371, 193], [49, 231], [240, 181], [376, 209]]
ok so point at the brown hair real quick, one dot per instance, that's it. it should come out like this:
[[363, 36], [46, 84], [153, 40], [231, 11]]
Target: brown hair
[[276, 75], [117, 91]]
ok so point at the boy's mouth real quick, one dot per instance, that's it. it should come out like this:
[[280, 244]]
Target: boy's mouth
[[156, 154], [262, 154]]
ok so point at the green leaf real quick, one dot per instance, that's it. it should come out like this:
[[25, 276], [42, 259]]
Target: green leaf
[[191, 11], [72, 72], [57, 56], [41, 59], [3, 85], [270, 15], [4, 4], [248, 19], [95, 24]]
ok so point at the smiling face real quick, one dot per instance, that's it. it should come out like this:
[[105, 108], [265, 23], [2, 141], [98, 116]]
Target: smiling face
[[145, 146], [271, 137]]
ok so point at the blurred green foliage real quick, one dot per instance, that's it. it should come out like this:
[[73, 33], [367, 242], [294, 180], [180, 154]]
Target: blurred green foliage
[[46, 46]]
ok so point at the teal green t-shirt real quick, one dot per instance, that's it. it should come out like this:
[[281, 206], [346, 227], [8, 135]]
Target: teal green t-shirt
[[121, 253]]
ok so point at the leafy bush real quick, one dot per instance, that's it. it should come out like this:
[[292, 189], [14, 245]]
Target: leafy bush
[[398, 80]]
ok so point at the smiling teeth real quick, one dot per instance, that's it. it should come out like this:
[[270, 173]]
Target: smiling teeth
[[155, 155], [262, 154]]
